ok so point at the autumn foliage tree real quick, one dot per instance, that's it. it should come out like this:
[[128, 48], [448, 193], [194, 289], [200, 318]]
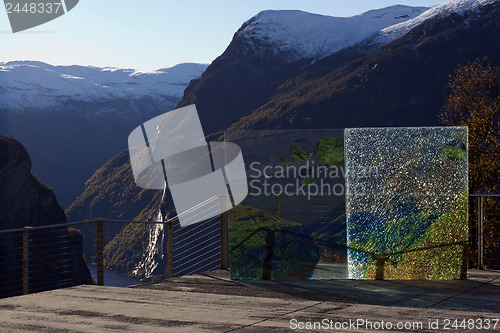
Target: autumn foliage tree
[[474, 102]]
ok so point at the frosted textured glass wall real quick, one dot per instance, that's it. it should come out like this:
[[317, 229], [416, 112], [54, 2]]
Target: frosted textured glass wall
[[407, 202]]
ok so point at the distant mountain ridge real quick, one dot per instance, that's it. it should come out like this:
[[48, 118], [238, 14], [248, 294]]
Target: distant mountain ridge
[[34, 85], [72, 119]]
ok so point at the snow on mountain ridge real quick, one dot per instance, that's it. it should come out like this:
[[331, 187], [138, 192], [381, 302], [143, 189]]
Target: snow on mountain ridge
[[304, 35], [37, 85], [460, 7]]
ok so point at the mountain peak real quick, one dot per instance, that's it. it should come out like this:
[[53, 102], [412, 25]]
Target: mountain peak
[[460, 7], [302, 35]]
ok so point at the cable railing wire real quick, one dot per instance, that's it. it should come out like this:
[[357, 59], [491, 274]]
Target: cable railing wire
[[38, 258], [209, 240], [195, 247], [197, 251], [205, 267], [208, 230], [185, 270]]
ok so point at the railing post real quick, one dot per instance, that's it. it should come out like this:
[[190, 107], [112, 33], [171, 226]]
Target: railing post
[[480, 230], [224, 241], [170, 250], [277, 205], [25, 261], [100, 253]]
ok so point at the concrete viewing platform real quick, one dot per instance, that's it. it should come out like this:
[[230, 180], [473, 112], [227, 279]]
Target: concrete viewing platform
[[211, 302]]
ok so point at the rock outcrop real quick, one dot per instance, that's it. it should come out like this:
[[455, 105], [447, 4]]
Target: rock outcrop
[[55, 258]]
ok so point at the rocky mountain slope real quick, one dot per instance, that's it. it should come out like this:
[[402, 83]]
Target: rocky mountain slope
[[401, 84], [55, 254], [275, 46], [394, 77], [112, 193]]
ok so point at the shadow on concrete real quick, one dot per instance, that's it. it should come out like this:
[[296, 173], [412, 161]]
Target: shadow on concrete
[[480, 292]]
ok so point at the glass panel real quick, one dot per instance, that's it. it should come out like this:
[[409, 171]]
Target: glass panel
[[292, 223], [407, 202]]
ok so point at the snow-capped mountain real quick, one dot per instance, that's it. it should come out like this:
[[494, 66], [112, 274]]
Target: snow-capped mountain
[[72, 119], [27, 85], [460, 7], [303, 35], [274, 46]]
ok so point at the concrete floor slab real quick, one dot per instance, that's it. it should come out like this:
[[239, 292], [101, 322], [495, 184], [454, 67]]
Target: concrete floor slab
[[211, 302]]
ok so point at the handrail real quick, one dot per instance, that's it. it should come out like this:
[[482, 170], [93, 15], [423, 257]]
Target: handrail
[[27, 244], [49, 226], [484, 195], [225, 248]]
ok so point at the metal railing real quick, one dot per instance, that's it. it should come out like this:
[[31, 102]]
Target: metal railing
[[42, 257], [31, 255], [485, 212], [29, 252]]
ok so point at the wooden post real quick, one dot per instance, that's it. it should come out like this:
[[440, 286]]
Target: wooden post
[[380, 266], [480, 230], [100, 253], [25, 261], [170, 250], [224, 241], [277, 205]]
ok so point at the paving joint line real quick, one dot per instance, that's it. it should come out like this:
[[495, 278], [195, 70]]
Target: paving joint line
[[223, 280], [274, 317], [461, 293]]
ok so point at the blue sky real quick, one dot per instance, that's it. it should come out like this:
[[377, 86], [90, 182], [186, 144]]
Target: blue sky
[[153, 34]]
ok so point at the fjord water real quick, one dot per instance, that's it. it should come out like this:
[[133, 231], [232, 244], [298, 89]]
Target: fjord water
[[113, 279]]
